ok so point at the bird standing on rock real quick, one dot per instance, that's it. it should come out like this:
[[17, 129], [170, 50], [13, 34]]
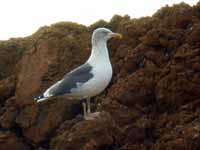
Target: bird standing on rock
[[89, 79]]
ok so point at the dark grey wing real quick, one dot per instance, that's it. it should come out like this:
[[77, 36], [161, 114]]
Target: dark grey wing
[[79, 75]]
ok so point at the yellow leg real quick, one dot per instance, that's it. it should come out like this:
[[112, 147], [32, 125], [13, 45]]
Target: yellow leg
[[88, 105]]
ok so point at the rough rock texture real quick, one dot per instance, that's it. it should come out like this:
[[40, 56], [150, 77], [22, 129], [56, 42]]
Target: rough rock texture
[[7, 88], [102, 133], [11, 52], [10, 141], [38, 121], [56, 45], [152, 102]]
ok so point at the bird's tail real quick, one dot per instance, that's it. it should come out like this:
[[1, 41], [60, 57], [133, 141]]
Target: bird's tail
[[40, 98]]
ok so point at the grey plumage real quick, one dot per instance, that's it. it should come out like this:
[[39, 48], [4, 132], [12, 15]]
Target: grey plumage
[[79, 75]]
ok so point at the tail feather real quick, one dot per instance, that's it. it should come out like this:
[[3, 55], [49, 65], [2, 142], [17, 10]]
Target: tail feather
[[40, 98]]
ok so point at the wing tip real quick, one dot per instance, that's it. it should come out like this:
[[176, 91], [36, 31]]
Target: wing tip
[[40, 98]]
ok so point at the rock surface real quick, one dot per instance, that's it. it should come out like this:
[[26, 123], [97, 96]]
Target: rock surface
[[152, 102], [10, 141], [7, 88], [88, 135]]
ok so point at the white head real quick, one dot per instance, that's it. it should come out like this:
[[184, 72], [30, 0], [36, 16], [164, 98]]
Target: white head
[[103, 35]]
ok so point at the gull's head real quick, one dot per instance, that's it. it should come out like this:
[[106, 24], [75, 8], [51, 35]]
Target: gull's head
[[103, 35]]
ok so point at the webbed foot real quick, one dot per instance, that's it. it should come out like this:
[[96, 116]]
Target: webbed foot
[[91, 116]]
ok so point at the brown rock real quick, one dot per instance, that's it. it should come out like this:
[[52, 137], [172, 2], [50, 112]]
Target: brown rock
[[184, 131], [130, 146], [89, 135], [180, 85], [11, 52], [45, 118], [7, 119], [193, 38], [178, 144], [50, 58], [27, 117], [120, 113], [9, 141], [7, 88], [137, 88]]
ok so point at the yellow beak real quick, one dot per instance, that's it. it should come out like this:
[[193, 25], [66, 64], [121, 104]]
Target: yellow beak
[[116, 35]]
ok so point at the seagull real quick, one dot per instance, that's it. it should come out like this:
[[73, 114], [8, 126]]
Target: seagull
[[89, 79]]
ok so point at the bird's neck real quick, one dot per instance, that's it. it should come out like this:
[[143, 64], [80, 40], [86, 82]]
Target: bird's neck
[[99, 52]]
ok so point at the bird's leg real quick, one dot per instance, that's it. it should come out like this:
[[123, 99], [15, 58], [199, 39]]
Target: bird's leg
[[87, 112], [84, 110], [88, 106], [90, 115]]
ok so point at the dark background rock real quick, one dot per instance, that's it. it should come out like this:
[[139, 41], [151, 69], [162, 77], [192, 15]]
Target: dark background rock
[[10, 141], [7, 88], [152, 102]]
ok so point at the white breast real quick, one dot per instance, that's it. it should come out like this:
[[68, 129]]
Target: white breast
[[101, 70], [101, 79]]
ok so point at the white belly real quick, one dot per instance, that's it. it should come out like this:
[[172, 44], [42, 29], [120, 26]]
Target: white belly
[[98, 83]]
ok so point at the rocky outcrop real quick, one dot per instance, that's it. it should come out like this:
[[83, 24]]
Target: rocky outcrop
[[9, 140], [38, 121], [7, 88], [152, 102], [11, 52], [42, 64], [88, 135]]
